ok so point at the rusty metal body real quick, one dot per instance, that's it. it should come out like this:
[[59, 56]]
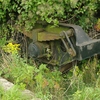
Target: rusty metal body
[[61, 45]]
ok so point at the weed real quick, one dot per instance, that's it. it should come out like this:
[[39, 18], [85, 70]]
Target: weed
[[78, 84], [15, 93], [84, 84]]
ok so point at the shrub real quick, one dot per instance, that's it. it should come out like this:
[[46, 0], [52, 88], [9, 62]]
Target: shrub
[[45, 83], [84, 83], [27, 13]]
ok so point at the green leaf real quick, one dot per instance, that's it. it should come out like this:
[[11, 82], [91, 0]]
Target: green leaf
[[73, 3], [49, 20], [2, 41]]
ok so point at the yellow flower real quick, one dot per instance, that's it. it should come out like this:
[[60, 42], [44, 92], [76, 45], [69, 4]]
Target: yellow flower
[[11, 48]]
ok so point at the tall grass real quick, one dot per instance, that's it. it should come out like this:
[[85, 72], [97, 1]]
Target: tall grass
[[82, 82]]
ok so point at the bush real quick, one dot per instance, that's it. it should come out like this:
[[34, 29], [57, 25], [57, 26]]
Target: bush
[[45, 83], [84, 84], [27, 13], [52, 85]]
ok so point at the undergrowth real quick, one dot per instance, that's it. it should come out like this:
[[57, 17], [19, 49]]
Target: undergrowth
[[15, 93], [82, 82]]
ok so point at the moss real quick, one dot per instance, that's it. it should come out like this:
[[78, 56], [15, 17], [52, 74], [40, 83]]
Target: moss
[[55, 29]]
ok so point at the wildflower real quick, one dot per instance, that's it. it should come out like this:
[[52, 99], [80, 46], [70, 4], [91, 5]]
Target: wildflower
[[11, 48]]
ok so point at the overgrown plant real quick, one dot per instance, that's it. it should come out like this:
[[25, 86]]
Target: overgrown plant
[[77, 84], [45, 83], [91, 71], [27, 13], [84, 84], [15, 93]]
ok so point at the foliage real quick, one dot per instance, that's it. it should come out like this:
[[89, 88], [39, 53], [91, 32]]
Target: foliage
[[15, 93], [97, 26], [46, 83], [88, 93], [3, 35], [16, 70], [1, 91], [81, 82], [84, 84], [27, 13], [49, 84], [2, 41]]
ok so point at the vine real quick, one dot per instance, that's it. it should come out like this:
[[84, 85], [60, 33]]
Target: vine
[[28, 12]]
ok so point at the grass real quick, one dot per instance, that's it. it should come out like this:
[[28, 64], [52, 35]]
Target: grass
[[15, 93], [82, 82]]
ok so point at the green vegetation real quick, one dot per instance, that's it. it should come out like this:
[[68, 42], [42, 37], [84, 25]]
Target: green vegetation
[[28, 13], [15, 93], [82, 82], [40, 80]]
